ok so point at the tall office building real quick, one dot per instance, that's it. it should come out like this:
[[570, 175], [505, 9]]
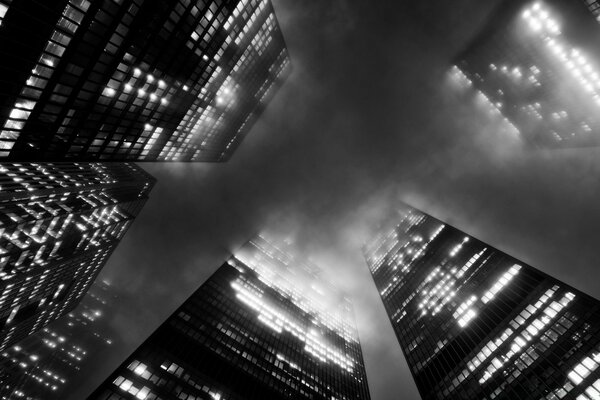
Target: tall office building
[[48, 365], [135, 79], [475, 323], [59, 223], [537, 63], [264, 326]]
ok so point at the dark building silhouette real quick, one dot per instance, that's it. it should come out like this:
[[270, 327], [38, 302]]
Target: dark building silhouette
[[134, 79], [475, 323], [48, 364], [59, 224], [263, 326], [538, 64]]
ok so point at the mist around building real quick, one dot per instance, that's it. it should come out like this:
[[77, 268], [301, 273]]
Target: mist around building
[[271, 199]]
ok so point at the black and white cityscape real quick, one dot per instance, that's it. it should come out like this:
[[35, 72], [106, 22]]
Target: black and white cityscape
[[280, 199]]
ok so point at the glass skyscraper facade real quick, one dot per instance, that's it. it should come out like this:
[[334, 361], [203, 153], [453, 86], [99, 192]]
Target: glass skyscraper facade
[[133, 80], [475, 323], [263, 326], [537, 64], [59, 223], [47, 364]]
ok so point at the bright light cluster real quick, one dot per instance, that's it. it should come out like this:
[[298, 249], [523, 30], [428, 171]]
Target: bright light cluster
[[527, 335], [279, 271], [280, 321], [440, 294], [405, 257], [540, 21], [502, 282], [584, 368], [493, 108], [464, 313], [65, 29], [127, 386], [458, 247], [518, 323], [469, 263], [579, 373]]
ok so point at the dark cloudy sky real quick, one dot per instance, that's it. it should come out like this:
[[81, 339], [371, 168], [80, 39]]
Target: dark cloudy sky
[[367, 118]]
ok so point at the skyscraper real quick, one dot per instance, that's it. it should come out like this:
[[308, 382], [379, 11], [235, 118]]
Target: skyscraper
[[537, 63], [264, 326], [475, 323], [59, 223], [135, 79], [47, 364]]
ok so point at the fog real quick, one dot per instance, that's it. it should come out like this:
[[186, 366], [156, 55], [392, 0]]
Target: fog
[[367, 118]]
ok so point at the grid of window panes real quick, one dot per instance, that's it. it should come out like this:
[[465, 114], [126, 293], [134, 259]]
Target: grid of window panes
[[59, 223], [246, 335], [475, 323], [138, 79], [47, 364], [536, 63]]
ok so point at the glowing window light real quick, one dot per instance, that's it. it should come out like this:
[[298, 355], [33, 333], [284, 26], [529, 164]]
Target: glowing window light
[[143, 393], [3, 10], [491, 346], [109, 92], [465, 313], [501, 283], [458, 247], [470, 263], [279, 322], [125, 385], [584, 368], [140, 369], [468, 315], [527, 335], [539, 20], [250, 22]]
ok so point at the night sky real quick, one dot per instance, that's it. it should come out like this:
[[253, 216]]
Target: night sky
[[366, 119]]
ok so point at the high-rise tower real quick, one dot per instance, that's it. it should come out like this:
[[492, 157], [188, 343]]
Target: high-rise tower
[[59, 224], [475, 323], [264, 326], [49, 363], [135, 79], [537, 63]]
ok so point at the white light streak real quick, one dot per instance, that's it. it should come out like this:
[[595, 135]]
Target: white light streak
[[501, 283]]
